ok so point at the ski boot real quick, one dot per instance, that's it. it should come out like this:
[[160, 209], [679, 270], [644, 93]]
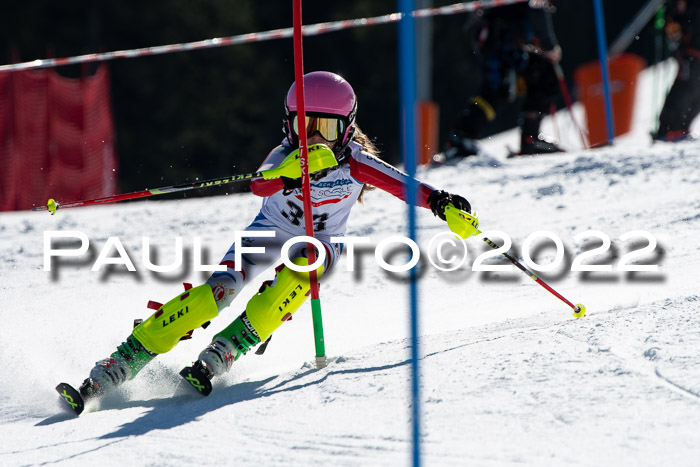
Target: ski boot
[[457, 146], [673, 136], [107, 374], [531, 145], [131, 356], [461, 147], [531, 141], [171, 323], [216, 359], [274, 304]]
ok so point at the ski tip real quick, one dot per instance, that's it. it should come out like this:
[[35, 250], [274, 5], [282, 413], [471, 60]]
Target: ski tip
[[513, 154], [438, 159], [71, 397], [197, 380]]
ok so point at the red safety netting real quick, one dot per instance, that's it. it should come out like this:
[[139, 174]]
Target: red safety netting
[[56, 138]]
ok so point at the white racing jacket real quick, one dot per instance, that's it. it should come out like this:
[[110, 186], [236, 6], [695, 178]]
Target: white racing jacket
[[333, 195]]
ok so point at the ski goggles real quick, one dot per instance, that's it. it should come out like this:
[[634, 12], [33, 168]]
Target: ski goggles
[[330, 128]]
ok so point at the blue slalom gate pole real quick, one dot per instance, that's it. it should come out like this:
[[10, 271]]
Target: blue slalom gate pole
[[603, 55], [407, 87]]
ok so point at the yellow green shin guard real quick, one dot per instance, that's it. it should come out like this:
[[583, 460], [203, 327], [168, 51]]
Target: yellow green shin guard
[[276, 304], [189, 310]]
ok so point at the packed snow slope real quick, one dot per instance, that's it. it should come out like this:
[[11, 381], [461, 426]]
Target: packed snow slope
[[508, 376]]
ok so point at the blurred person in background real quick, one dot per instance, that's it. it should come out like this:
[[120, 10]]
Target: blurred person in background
[[516, 47], [683, 101]]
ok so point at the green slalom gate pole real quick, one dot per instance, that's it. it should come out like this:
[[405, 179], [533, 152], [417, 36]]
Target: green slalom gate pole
[[321, 360]]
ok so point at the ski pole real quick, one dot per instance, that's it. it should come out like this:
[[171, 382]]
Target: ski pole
[[567, 99], [579, 309], [52, 205], [553, 116], [288, 168], [465, 224]]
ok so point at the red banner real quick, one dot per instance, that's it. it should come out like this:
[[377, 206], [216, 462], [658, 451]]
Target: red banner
[[56, 138]]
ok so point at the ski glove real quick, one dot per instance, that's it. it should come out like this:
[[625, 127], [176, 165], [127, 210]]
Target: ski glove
[[439, 199], [291, 183]]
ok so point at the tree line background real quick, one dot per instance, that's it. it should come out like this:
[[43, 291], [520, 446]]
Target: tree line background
[[210, 113]]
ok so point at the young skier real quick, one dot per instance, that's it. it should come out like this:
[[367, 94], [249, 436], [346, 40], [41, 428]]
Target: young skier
[[331, 106]]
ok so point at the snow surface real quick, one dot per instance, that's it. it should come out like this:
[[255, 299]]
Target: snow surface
[[508, 376]]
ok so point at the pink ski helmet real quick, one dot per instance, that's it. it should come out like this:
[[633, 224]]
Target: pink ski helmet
[[325, 94]]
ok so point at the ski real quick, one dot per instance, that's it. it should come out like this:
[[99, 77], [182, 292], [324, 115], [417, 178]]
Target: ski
[[450, 155], [512, 153], [197, 379], [519, 155], [72, 397]]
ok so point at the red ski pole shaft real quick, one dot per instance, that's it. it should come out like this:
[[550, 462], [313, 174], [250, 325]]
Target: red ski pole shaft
[[553, 115], [579, 309], [53, 205], [289, 168], [569, 103]]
